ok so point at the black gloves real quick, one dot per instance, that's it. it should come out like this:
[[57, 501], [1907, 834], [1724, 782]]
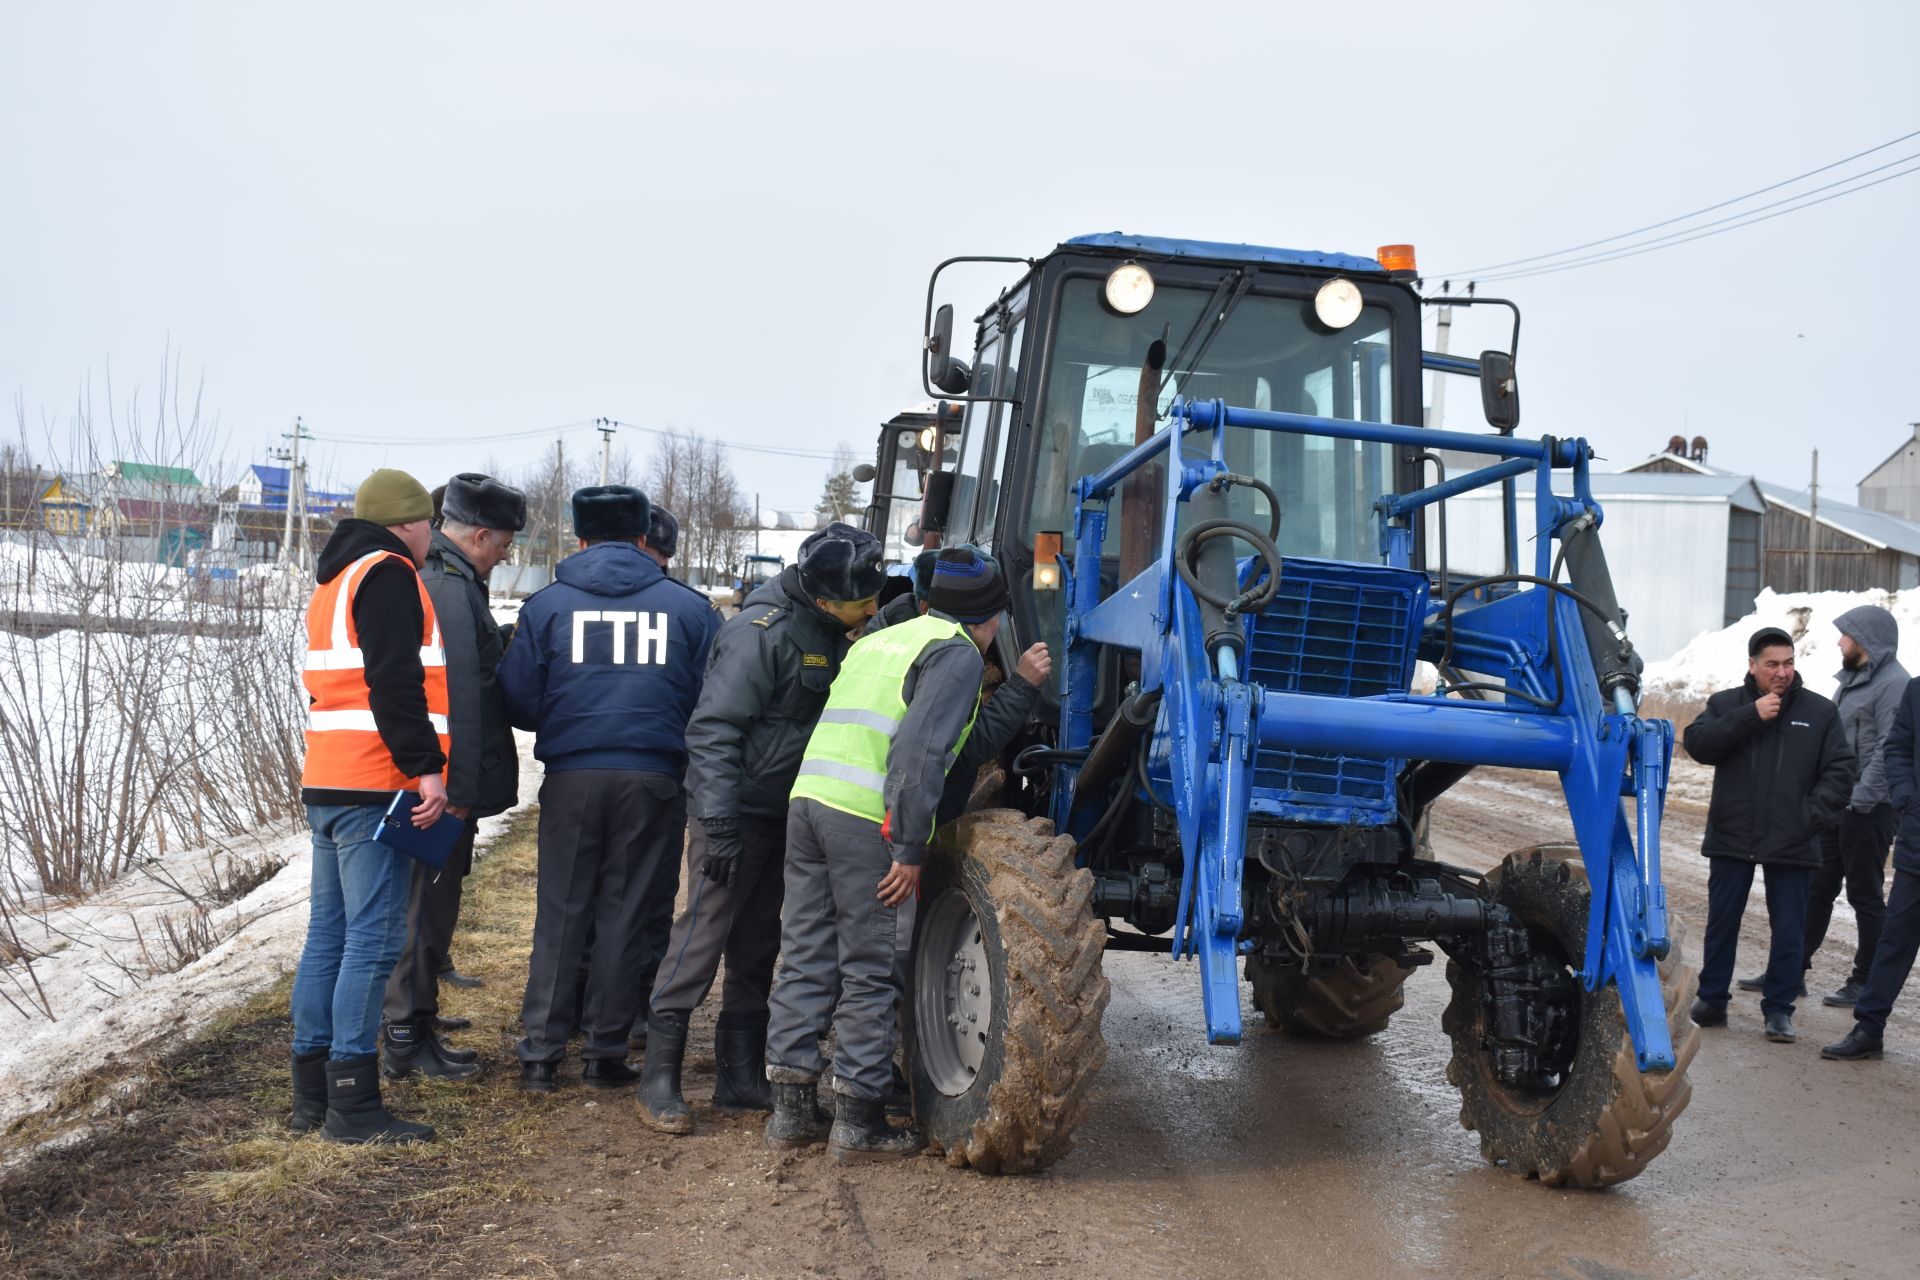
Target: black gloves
[[723, 852]]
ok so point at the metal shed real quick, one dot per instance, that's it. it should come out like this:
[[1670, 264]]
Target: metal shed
[[1686, 550]]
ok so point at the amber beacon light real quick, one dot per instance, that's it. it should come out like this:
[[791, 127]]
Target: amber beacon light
[[1398, 260]]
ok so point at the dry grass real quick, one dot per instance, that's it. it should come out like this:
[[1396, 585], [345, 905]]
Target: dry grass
[[189, 1170]]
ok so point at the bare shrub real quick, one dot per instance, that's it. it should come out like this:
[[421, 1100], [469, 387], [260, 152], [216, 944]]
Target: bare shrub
[[140, 699]]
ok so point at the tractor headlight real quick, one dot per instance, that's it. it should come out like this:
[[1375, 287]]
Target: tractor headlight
[[1129, 288], [1338, 303]]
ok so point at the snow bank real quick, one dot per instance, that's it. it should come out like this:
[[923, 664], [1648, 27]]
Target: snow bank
[[1718, 659], [94, 965]]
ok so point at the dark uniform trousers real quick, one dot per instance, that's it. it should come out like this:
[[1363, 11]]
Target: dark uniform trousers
[[1729, 880], [1893, 958], [433, 908], [604, 834], [740, 923], [1855, 852]]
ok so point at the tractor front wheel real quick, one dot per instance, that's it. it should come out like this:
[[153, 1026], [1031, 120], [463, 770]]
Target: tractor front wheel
[[1592, 1117], [1006, 995]]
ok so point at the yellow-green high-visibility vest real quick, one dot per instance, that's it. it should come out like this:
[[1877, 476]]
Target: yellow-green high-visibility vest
[[845, 766]]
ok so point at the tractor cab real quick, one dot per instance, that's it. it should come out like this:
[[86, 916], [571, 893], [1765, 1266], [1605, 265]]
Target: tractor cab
[[1079, 360], [914, 444]]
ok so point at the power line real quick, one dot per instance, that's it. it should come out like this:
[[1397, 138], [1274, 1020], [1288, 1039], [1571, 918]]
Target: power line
[[1732, 217], [582, 424], [1667, 222], [1634, 251]]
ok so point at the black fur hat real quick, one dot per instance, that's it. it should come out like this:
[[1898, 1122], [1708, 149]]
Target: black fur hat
[[483, 502], [663, 532], [610, 512], [841, 562]]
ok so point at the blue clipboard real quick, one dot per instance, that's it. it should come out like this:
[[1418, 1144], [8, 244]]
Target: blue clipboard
[[430, 845]]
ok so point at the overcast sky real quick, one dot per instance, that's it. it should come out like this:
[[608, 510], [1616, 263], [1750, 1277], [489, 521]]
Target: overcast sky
[[430, 224]]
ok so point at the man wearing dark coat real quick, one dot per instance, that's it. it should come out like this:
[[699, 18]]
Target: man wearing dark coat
[[1900, 933], [1781, 770], [478, 519]]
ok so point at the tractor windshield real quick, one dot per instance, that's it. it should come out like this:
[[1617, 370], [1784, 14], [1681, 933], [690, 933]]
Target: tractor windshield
[[1267, 353]]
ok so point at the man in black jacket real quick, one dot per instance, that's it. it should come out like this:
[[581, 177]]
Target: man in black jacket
[[1900, 933], [479, 517], [772, 665], [1781, 768]]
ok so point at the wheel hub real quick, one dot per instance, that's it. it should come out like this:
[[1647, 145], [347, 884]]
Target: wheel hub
[[953, 995]]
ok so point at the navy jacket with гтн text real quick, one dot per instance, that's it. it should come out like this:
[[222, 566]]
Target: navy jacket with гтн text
[[607, 662]]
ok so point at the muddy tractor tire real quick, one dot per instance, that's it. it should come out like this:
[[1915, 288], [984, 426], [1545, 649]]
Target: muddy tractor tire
[[1357, 997], [1599, 1120], [1006, 994]]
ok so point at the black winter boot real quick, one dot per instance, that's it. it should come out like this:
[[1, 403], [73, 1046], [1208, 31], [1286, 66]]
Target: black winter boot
[[740, 1060], [354, 1110], [447, 1051], [797, 1120], [409, 1047], [661, 1105], [309, 1091], [861, 1132]]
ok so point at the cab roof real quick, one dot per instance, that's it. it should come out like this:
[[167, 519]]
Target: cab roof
[[1162, 247]]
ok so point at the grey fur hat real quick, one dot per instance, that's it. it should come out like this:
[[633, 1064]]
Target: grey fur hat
[[483, 502]]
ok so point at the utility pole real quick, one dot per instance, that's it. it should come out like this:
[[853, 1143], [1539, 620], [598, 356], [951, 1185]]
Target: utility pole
[[1813, 527], [605, 427], [756, 524], [560, 499], [1443, 328], [296, 494]]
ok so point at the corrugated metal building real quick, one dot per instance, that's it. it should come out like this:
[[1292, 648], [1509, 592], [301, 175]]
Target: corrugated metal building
[[1685, 549], [1893, 487]]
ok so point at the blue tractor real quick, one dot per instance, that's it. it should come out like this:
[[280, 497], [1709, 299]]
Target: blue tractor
[[1199, 466]]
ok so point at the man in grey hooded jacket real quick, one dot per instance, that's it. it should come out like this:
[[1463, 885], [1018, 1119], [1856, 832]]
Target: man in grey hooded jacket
[[1871, 682]]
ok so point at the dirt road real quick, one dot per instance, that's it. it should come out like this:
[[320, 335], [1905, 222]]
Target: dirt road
[[1279, 1157], [1284, 1157]]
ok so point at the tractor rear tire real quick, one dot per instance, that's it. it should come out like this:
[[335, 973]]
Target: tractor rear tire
[[1607, 1119], [1356, 998], [1002, 1067]]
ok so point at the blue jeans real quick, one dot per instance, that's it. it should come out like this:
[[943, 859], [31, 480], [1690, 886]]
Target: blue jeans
[[356, 925]]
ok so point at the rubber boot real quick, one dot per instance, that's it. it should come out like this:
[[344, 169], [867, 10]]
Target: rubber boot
[[899, 1097], [740, 1061], [309, 1091], [661, 1106], [354, 1110], [861, 1132], [447, 1051], [797, 1120], [407, 1047]]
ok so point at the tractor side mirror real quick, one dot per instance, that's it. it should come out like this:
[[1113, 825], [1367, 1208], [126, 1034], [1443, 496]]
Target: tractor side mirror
[[1499, 391], [934, 506], [948, 375], [864, 473]]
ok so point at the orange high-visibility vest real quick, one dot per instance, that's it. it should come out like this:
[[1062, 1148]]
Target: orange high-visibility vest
[[344, 750]]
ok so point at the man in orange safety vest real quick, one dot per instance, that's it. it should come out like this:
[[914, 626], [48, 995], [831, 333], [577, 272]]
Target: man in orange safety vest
[[376, 685]]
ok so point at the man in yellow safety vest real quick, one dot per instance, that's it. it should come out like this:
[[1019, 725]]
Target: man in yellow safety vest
[[863, 811]]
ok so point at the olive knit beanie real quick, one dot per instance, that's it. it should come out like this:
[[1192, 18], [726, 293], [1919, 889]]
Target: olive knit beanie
[[390, 498]]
